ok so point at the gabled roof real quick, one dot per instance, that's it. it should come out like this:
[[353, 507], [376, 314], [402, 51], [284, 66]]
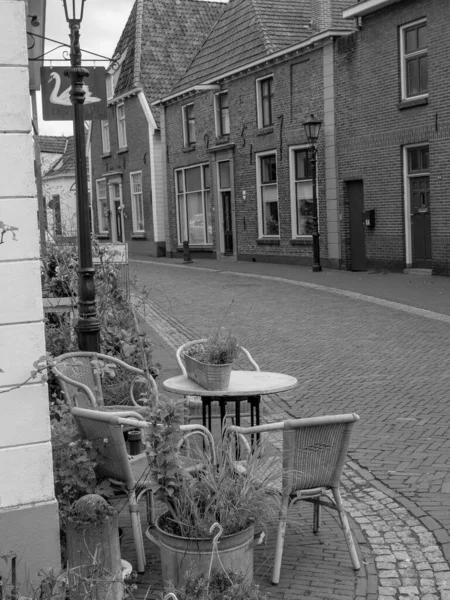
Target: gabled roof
[[160, 39], [52, 144], [250, 30], [66, 164]]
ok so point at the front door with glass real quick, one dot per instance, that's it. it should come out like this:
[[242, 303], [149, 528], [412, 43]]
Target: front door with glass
[[226, 207], [115, 194]]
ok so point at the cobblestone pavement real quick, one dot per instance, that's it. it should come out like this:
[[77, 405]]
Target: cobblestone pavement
[[381, 357]]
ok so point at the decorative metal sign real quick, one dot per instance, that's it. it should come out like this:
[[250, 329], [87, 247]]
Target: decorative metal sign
[[56, 102]]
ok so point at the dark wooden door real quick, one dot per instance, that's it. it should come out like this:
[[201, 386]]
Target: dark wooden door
[[420, 222], [227, 223], [357, 232], [118, 215]]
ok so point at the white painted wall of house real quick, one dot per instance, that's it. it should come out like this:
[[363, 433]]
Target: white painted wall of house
[[28, 511], [64, 186]]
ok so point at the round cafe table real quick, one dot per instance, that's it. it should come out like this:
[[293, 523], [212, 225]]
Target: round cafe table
[[244, 385]]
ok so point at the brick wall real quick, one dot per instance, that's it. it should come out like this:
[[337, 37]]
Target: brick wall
[[136, 158], [373, 126], [298, 91]]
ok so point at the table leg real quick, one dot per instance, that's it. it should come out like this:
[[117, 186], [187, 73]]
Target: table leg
[[237, 402], [206, 412], [223, 412], [254, 402]]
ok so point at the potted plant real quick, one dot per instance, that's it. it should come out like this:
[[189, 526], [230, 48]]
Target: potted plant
[[208, 361], [216, 494], [221, 585]]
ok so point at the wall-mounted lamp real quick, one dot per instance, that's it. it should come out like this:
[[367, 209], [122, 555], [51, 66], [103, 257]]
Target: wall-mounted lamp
[[34, 20], [244, 195]]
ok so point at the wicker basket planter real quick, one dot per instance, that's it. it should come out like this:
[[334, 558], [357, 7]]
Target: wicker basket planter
[[210, 377]]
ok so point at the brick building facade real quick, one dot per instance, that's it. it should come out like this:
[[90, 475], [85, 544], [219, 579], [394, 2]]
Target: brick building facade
[[246, 191], [112, 180], [125, 153], [393, 126]]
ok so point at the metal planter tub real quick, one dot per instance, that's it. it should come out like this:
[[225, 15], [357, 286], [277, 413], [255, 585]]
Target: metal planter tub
[[210, 377], [179, 554]]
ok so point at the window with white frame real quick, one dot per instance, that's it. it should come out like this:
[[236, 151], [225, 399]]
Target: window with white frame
[[264, 98], [267, 186], [414, 59], [121, 126], [301, 192], [222, 114], [102, 207], [189, 125], [194, 205], [105, 137], [137, 201]]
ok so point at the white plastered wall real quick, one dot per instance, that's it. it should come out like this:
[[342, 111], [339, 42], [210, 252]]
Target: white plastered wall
[[64, 187], [26, 474], [155, 171]]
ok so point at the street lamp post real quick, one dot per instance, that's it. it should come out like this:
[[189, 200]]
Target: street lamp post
[[87, 326], [312, 129]]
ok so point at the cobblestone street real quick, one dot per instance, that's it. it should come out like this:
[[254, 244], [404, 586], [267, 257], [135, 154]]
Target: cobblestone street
[[372, 344]]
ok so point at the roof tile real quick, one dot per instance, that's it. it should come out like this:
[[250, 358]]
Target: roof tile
[[52, 144], [165, 34], [249, 30], [66, 164]]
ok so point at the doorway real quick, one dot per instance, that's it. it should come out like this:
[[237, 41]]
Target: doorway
[[226, 208], [420, 222], [357, 232], [227, 223], [116, 204]]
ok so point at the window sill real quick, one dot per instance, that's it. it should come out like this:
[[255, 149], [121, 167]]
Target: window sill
[[197, 247], [301, 242], [121, 150], [140, 235], [265, 130], [268, 241], [190, 148], [103, 236], [412, 102], [106, 155], [222, 139]]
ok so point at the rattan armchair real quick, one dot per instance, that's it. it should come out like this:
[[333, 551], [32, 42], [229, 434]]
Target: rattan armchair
[[132, 472], [116, 389], [313, 457]]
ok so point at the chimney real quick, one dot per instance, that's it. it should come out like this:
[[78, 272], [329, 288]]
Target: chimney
[[321, 14]]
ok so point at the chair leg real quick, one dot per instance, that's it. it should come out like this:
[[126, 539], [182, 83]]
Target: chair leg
[[137, 531], [317, 516], [280, 539], [346, 529]]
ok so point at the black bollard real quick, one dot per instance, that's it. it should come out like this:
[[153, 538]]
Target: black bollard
[[186, 253]]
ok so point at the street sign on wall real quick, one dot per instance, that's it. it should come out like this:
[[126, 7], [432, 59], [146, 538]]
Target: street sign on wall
[[56, 102]]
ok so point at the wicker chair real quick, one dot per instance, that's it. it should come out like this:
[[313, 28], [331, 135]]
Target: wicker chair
[[79, 377], [194, 405], [314, 453], [130, 472]]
